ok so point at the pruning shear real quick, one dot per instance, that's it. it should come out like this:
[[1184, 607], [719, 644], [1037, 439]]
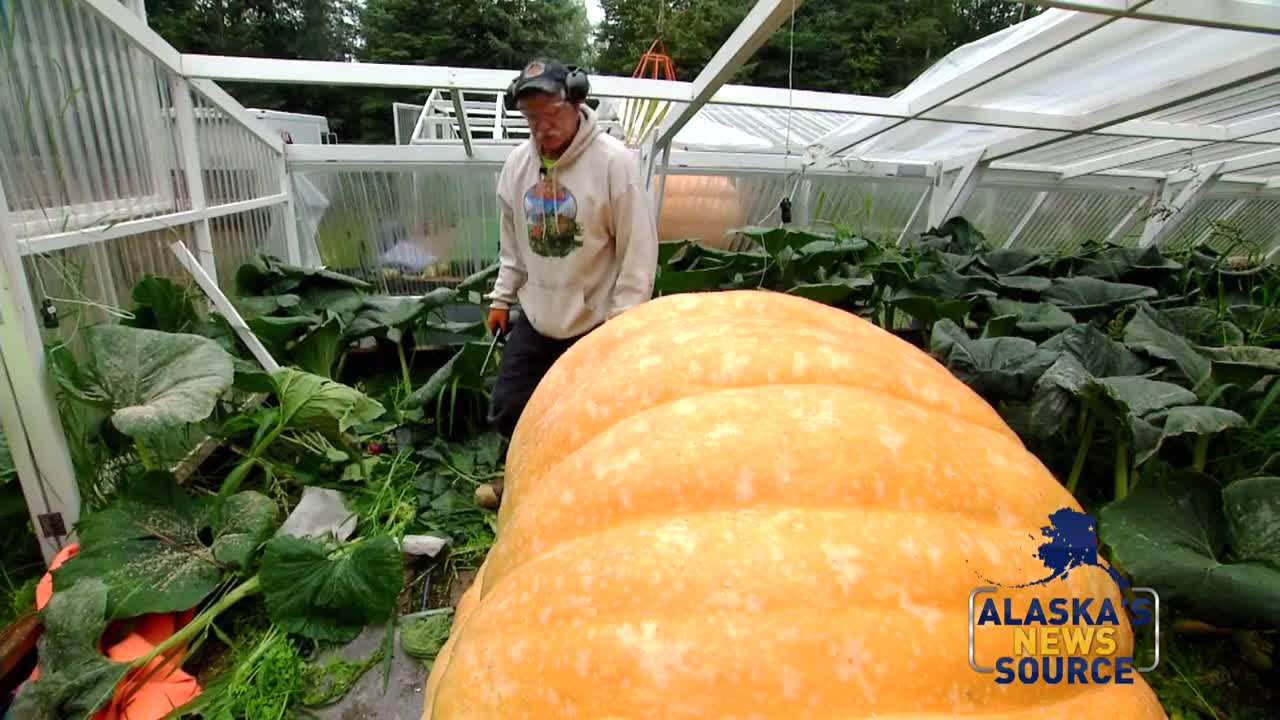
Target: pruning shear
[[497, 335]]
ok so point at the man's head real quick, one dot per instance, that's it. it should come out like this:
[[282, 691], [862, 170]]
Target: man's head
[[549, 96]]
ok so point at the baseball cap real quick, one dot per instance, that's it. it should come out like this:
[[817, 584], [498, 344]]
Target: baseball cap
[[540, 75]]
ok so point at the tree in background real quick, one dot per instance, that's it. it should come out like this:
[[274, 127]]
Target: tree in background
[[478, 33], [874, 47]]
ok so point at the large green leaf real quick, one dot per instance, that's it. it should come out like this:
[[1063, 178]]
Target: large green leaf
[[310, 401], [1141, 396], [1099, 354], [152, 381], [1214, 559], [466, 366], [268, 275], [161, 304], [1202, 326], [1033, 318], [384, 316], [330, 594], [1117, 262], [1014, 261], [999, 368], [1148, 332], [830, 292], [76, 679], [1252, 507], [1087, 293], [1244, 365], [158, 549]]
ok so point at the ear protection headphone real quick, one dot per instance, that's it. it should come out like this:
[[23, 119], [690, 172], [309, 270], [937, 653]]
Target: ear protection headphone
[[576, 84]]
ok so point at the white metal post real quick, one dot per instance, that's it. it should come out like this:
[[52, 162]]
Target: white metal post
[[662, 183], [293, 251], [1026, 219], [1162, 226], [947, 201], [28, 410], [185, 115]]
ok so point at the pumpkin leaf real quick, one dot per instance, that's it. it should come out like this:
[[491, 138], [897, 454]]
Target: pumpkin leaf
[[151, 381], [158, 549], [1117, 262], [1211, 552], [1149, 333], [1033, 318], [998, 367], [1098, 354], [1253, 519], [311, 401], [75, 680], [330, 594], [1244, 365], [385, 316], [1030, 283], [466, 366], [830, 292], [1202, 326], [1141, 396], [1087, 293], [268, 275], [161, 304], [1014, 261]]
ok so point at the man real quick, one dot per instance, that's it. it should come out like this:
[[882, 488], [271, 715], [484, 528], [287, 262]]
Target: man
[[578, 242]]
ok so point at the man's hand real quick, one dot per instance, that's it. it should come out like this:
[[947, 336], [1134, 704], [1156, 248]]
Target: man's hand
[[497, 319]]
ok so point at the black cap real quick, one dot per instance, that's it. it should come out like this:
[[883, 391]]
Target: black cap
[[540, 76]]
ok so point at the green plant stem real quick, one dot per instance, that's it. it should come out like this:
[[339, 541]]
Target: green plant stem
[[404, 369], [237, 476], [1200, 456], [1082, 452], [1122, 469], [201, 621], [146, 455]]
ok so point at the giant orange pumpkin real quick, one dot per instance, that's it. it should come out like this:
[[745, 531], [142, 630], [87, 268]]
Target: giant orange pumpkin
[[750, 505], [698, 207]]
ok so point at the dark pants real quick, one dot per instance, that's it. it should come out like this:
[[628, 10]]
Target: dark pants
[[527, 355]]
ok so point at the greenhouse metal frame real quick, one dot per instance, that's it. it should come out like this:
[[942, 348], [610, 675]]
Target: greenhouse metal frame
[[1145, 121]]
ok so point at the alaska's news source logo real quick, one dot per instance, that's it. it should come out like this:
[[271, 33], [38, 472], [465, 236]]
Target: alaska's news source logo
[[1052, 644]]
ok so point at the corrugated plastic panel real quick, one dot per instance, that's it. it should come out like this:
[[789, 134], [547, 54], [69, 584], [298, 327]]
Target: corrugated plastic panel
[[1066, 220], [1238, 226], [86, 131], [1077, 150], [1225, 106], [774, 124], [871, 208], [237, 164], [996, 211], [405, 231], [239, 237], [1196, 156]]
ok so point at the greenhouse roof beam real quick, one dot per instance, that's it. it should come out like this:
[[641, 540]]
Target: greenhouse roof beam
[[761, 22], [1224, 77], [305, 72], [1072, 28], [1220, 14]]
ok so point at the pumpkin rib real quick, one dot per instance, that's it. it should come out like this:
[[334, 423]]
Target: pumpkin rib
[[678, 658], [514, 491], [584, 549], [1013, 441]]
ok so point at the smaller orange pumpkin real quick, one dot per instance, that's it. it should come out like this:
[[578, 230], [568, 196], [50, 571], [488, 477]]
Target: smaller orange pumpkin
[[699, 207]]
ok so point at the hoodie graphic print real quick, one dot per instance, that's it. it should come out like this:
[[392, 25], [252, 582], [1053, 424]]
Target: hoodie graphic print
[[551, 217]]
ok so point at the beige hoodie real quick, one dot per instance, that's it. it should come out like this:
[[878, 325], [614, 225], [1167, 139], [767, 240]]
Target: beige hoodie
[[579, 242]]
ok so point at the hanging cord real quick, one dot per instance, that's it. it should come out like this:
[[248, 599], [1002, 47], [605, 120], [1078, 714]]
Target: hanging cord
[[786, 157]]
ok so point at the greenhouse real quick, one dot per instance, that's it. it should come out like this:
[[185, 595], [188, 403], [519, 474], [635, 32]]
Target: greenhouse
[[1020, 319]]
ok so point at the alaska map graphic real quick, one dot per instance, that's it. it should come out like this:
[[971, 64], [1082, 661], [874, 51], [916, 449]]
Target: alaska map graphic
[[1072, 543]]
